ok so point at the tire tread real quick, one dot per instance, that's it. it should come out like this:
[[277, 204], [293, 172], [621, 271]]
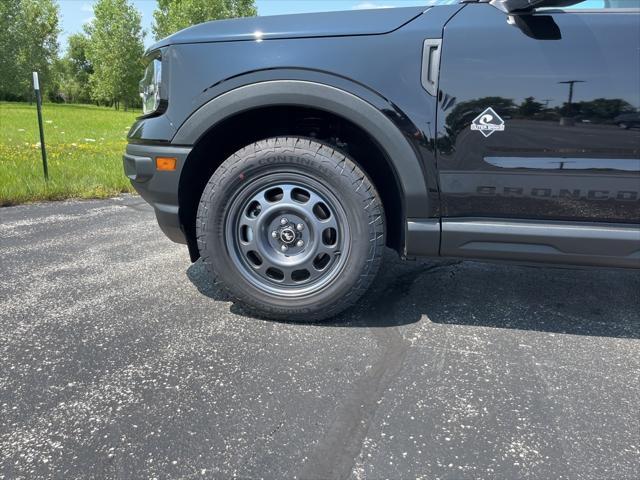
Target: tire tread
[[343, 166]]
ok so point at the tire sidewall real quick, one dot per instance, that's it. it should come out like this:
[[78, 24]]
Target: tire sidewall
[[246, 167]]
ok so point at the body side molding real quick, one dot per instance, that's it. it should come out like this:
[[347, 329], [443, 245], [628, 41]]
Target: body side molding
[[403, 159], [423, 237], [571, 243]]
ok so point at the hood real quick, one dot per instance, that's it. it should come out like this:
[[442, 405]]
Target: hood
[[306, 25]]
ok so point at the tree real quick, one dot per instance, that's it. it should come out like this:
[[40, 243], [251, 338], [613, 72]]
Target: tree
[[529, 107], [74, 70], [9, 13], [603, 109], [174, 15], [28, 42], [114, 49]]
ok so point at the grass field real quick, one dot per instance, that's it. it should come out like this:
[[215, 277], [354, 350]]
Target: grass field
[[84, 148]]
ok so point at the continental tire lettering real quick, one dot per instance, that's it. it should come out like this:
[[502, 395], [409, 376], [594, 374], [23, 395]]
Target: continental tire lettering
[[286, 159], [295, 160]]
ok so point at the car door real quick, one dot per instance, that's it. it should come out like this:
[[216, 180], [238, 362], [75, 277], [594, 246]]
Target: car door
[[538, 114]]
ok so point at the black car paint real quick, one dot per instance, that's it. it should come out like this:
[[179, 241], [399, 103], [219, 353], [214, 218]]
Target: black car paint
[[323, 24], [340, 62], [536, 169]]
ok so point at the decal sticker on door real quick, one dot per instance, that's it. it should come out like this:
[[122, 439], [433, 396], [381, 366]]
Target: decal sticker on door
[[488, 122]]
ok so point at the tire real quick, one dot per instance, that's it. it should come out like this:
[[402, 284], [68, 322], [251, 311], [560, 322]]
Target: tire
[[291, 228]]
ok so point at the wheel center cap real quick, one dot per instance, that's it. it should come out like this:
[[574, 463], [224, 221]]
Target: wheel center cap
[[287, 235]]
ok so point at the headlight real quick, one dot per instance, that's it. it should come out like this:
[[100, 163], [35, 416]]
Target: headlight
[[150, 87]]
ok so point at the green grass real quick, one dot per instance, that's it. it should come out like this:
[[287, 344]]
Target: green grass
[[84, 148]]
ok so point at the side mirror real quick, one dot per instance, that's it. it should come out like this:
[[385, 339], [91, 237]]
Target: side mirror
[[539, 27], [527, 6]]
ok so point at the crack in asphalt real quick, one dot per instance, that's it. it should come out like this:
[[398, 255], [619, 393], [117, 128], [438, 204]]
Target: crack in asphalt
[[337, 452]]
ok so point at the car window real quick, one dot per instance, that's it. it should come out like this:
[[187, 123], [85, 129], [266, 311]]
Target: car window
[[604, 5]]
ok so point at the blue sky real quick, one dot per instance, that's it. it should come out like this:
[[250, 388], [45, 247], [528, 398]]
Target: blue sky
[[74, 13]]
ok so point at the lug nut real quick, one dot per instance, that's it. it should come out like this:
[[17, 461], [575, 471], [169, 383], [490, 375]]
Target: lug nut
[[284, 248], [299, 227], [274, 234], [283, 221], [300, 243]]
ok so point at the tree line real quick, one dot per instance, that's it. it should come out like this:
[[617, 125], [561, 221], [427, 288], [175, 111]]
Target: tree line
[[103, 63]]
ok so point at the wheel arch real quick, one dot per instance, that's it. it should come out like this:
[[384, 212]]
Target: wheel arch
[[402, 159]]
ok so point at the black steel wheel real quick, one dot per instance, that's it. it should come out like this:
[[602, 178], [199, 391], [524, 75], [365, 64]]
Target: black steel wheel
[[292, 228], [287, 234]]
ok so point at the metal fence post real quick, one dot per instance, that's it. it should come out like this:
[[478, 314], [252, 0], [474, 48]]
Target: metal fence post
[[36, 87]]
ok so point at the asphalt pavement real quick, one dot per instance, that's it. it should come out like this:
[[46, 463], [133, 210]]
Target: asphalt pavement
[[119, 360]]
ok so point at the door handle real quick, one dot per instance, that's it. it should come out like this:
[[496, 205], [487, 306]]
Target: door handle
[[431, 65]]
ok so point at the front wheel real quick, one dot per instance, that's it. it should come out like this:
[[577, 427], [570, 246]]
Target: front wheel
[[292, 228]]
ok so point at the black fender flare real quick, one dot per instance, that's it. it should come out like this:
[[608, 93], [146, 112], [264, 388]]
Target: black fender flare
[[404, 160]]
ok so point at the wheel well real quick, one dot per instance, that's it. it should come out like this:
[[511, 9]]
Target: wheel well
[[242, 129]]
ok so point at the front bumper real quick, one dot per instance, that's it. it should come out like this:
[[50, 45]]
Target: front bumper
[[158, 188]]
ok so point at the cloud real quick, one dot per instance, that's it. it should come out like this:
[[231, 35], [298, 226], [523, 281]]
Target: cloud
[[86, 7], [369, 5]]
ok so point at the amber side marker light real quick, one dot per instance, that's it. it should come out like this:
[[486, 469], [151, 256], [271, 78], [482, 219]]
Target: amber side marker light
[[166, 163]]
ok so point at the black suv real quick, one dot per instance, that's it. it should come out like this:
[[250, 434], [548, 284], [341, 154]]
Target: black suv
[[288, 151]]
